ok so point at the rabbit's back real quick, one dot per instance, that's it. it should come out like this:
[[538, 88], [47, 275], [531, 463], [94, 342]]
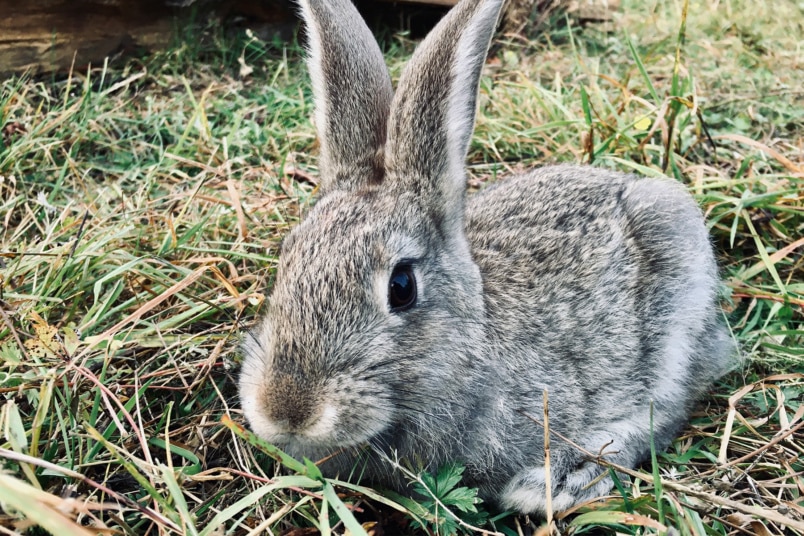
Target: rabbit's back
[[604, 283]]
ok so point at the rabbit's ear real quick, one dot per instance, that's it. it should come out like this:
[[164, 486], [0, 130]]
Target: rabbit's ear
[[352, 91], [433, 111]]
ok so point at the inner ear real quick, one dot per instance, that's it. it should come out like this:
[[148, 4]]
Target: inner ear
[[433, 111], [352, 91]]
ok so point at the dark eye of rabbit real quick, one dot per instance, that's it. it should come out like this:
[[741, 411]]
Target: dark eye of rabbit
[[402, 288]]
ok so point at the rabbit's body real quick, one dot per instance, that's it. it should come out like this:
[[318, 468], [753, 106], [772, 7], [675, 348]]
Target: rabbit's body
[[595, 292], [427, 327]]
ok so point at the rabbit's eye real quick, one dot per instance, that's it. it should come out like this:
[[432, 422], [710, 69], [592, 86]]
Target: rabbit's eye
[[402, 288]]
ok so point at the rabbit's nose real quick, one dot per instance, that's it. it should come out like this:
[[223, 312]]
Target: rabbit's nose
[[292, 406]]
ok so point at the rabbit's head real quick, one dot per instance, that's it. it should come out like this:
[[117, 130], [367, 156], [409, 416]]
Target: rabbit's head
[[377, 309]]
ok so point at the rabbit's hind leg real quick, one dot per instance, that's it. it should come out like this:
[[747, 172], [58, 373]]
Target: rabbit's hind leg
[[574, 477]]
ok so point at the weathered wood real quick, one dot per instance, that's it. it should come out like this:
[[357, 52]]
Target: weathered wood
[[46, 34], [447, 3], [53, 35], [593, 10], [49, 35], [524, 17]]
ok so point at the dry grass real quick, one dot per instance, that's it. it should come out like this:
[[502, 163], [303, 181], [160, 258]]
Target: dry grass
[[141, 209]]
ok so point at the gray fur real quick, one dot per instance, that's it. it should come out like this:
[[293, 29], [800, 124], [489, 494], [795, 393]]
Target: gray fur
[[349, 81], [597, 286]]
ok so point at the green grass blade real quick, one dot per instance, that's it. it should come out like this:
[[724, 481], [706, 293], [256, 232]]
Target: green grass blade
[[645, 77], [253, 498], [343, 513], [38, 507]]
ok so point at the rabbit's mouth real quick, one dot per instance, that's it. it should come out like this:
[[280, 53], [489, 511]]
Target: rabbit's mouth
[[295, 427], [324, 427], [320, 448]]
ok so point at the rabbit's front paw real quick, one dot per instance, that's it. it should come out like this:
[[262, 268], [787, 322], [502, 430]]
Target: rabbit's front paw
[[526, 491]]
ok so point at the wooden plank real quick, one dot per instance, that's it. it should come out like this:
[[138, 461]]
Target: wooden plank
[[446, 3], [49, 35], [593, 10], [45, 35]]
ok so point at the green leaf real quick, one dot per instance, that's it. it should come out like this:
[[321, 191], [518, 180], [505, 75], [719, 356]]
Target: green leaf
[[463, 499], [421, 514], [323, 518], [10, 353], [657, 481], [587, 109], [647, 171], [193, 469], [444, 508], [187, 520], [388, 498], [608, 517], [642, 71], [15, 429], [343, 513], [282, 482], [132, 469], [312, 470], [272, 451], [448, 476], [763, 254], [37, 506], [427, 485], [621, 489]]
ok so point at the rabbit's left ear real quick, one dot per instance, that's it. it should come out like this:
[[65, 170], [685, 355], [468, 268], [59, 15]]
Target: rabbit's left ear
[[433, 111], [352, 91]]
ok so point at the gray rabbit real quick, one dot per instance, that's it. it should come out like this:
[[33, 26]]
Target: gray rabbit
[[408, 319]]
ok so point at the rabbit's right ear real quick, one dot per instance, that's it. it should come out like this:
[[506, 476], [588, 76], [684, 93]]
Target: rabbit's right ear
[[433, 111], [352, 91]]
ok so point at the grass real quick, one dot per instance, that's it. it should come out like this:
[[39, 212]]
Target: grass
[[142, 206]]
